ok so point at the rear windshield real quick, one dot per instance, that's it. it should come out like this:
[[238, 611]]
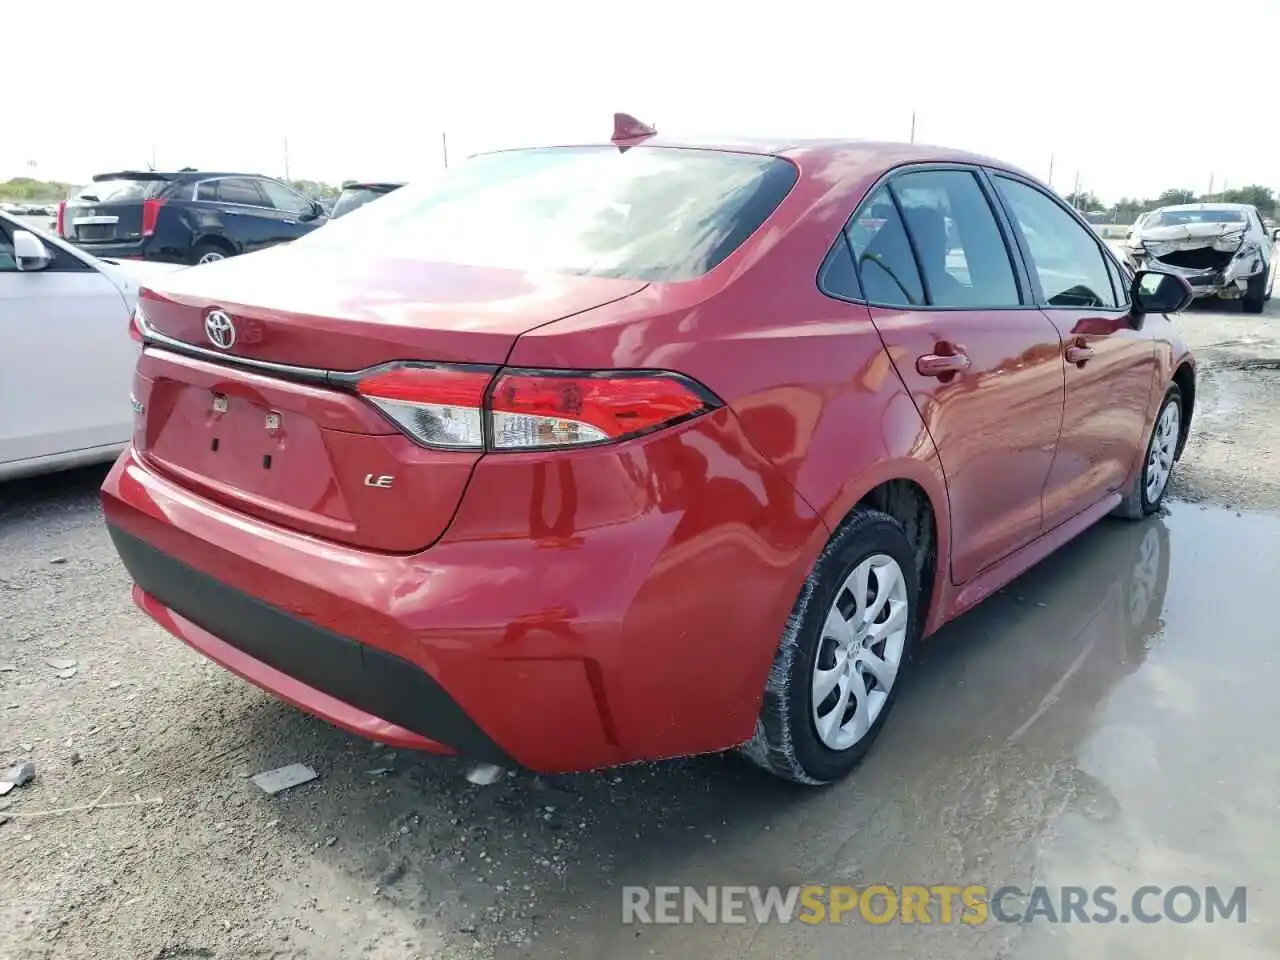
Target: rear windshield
[[647, 213], [351, 199], [118, 191], [1176, 218]]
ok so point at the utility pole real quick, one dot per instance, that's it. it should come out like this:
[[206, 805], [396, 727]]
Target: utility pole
[[1210, 193], [1075, 192], [444, 147], [913, 126], [286, 158], [1051, 171]]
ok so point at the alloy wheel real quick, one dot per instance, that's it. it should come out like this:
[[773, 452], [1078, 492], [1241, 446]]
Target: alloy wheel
[[1163, 445], [860, 651]]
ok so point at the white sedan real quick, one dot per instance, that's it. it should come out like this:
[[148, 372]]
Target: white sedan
[[66, 358]]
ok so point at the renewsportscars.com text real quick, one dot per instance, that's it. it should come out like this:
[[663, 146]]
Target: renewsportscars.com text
[[971, 904]]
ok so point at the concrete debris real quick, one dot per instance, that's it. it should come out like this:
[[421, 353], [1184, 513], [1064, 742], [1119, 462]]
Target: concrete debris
[[284, 778], [20, 775], [5, 787], [379, 771], [8, 667], [75, 757], [61, 663], [484, 774], [66, 674]]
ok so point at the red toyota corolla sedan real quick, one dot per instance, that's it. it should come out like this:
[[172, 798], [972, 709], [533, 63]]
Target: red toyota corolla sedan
[[593, 454]]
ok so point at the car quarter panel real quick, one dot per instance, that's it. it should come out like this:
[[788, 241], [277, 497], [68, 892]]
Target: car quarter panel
[[807, 376]]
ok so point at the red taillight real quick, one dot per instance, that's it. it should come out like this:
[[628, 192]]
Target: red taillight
[[150, 214], [61, 226], [453, 407], [540, 410]]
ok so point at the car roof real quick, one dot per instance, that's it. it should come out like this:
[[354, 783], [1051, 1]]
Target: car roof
[[373, 184], [856, 157], [173, 175], [1205, 206]]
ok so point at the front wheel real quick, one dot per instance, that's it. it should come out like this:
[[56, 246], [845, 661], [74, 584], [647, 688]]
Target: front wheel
[[841, 660], [1148, 490], [1256, 294]]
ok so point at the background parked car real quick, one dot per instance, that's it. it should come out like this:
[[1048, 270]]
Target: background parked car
[[185, 217], [67, 360], [1221, 249], [358, 193]]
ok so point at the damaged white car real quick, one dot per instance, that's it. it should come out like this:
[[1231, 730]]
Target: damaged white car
[[1221, 249]]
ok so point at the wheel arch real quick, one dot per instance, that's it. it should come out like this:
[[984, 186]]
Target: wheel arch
[[915, 496]]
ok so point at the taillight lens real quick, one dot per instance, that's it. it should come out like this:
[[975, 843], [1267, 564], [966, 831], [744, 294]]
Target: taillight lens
[[454, 407], [437, 406], [61, 226], [150, 214], [555, 410]]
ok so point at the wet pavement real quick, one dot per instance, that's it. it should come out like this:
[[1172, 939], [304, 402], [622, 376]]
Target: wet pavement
[[1108, 719]]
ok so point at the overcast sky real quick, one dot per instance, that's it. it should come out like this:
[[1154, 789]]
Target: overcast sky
[[1134, 95]]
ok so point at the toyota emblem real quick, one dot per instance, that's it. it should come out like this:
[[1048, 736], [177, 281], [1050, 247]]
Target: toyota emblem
[[220, 330]]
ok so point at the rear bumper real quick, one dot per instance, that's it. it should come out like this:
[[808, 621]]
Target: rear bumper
[[133, 250], [354, 686], [589, 609]]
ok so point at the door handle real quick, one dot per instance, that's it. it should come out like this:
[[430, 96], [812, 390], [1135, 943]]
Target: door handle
[[934, 365], [1078, 354]]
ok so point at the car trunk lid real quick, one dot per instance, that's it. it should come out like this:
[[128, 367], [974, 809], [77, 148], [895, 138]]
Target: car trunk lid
[[260, 426]]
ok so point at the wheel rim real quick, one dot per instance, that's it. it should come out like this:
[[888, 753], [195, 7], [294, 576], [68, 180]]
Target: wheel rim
[[1160, 457], [860, 651], [210, 257]]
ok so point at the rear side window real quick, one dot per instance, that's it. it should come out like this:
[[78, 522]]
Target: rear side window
[[241, 190], [648, 213], [958, 243], [882, 253], [121, 191], [1065, 255]]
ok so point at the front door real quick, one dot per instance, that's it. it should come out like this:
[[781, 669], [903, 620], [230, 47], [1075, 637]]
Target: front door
[[1110, 364], [67, 360], [982, 364]]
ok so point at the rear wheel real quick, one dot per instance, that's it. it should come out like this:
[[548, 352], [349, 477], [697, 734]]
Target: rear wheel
[[1148, 490], [1256, 295], [208, 253], [842, 658]]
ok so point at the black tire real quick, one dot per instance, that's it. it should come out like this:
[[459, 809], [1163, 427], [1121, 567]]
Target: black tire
[[1255, 297], [1137, 504], [207, 251], [786, 742]]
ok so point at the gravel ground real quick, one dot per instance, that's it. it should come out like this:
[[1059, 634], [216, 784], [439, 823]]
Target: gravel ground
[[386, 854]]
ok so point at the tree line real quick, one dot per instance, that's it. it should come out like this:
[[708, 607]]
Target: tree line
[[1128, 209]]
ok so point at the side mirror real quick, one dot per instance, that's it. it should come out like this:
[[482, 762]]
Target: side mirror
[[29, 251], [1156, 292], [316, 211], [1275, 234]]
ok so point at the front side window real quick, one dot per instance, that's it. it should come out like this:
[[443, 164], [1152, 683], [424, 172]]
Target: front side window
[[1065, 256], [957, 240], [882, 253], [647, 213], [8, 263], [284, 199]]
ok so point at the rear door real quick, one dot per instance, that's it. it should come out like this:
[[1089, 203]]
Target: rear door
[[981, 363], [1110, 366], [110, 210], [248, 218]]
